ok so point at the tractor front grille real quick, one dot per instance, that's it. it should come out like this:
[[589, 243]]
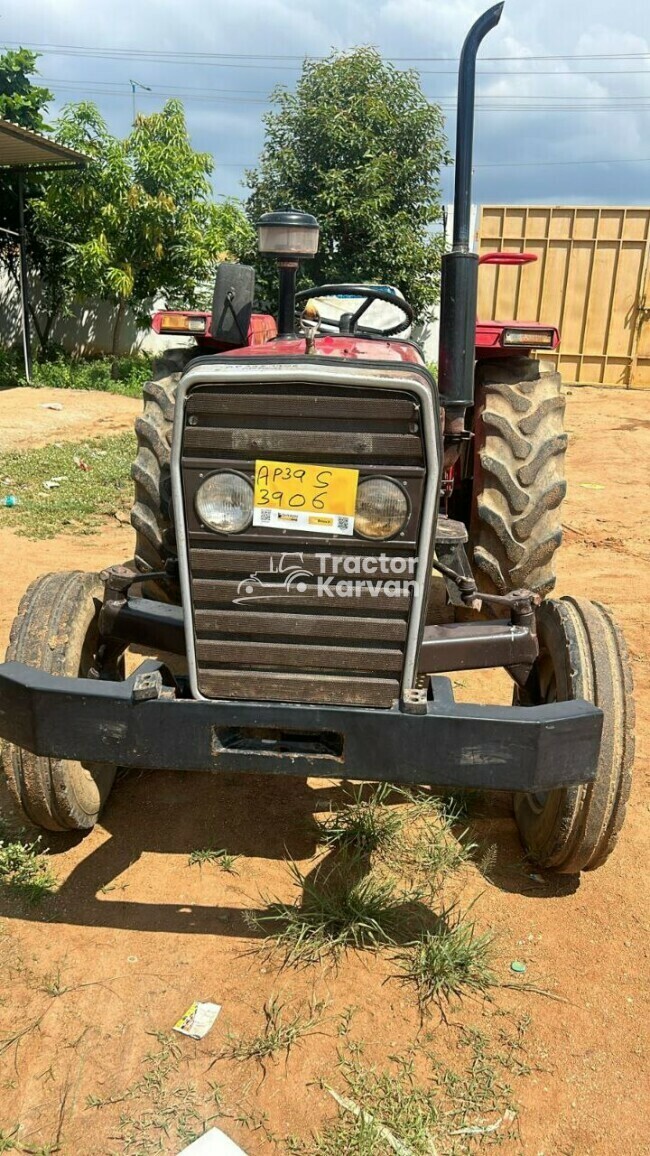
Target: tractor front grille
[[284, 640]]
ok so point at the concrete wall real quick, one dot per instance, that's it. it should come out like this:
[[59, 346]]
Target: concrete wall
[[88, 329]]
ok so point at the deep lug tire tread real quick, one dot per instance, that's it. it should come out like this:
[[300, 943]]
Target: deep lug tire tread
[[578, 827], [151, 515], [55, 630], [519, 483]]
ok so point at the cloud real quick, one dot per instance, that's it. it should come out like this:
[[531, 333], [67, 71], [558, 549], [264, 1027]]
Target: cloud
[[535, 115]]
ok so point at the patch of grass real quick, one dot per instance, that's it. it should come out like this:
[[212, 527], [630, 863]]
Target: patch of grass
[[82, 498], [450, 960], [166, 1114], [430, 847], [341, 906], [366, 825], [458, 807], [121, 375], [282, 1029], [435, 853], [222, 858], [24, 868], [418, 1105]]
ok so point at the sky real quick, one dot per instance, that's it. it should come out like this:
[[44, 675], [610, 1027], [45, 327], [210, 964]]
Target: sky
[[568, 82]]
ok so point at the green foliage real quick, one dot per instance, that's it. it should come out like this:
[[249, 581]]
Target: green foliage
[[359, 146], [341, 906], [23, 103], [282, 1029], [137, 222], [121, 375], [221, 858], [24, 868], [366, 825], [83, 497], [161, 1112], [422, 1103], [449, 960], [431, 848]]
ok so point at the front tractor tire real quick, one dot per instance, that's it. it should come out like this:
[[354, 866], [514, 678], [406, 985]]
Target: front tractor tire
[[582, 655], [56, 631], [151, 516], [519, 467]]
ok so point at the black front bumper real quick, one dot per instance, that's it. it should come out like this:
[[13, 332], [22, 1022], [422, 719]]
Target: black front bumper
[[451, 745]]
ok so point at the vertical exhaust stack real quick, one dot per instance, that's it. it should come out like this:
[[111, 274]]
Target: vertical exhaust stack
[[460, 266]]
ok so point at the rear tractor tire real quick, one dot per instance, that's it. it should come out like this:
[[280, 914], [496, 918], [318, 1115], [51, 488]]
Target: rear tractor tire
[[151, 515], [519, 465], [582, 655], [56, 631]]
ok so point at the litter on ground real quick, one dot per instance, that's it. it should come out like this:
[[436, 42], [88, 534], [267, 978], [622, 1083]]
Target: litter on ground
[[198, 1020], [213, 1143]]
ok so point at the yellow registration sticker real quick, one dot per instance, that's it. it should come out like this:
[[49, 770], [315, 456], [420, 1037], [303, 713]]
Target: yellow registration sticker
[[296, 496]]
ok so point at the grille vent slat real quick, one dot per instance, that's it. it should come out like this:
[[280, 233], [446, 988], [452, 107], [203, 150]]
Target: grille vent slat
[[250, 405], [304, 626], [251, 442], [297, 644]]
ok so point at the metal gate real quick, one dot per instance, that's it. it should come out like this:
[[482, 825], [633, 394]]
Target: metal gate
[[591, 279]]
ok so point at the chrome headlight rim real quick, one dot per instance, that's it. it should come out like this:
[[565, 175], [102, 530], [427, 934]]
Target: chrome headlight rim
[[206, 524], [403, 491]]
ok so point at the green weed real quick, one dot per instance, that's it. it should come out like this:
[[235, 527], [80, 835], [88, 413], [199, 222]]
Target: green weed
[[222, 858], [121, 375], [8, 1140], [417, 1105], [282, 1029], [366, 825], [450, 960], [340, 906], [164, 1114], [24, 868]]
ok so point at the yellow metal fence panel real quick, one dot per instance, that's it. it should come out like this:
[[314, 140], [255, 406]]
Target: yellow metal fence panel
[[591, 280]]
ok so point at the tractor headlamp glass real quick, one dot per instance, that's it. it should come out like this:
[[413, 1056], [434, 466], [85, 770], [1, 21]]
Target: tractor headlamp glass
[[382, 508], [224, 502]]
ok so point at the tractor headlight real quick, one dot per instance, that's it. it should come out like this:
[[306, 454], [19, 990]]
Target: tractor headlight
[[224, 502], [382, 508]]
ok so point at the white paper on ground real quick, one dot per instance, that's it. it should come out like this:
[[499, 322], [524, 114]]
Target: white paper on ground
[[213, 1143], [198, 1020]]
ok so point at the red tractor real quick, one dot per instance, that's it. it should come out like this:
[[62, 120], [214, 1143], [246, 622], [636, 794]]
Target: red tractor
[[303, 500], [487, 481]]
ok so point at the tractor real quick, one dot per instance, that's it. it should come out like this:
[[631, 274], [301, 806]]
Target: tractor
[[324, 534], [503, 357]]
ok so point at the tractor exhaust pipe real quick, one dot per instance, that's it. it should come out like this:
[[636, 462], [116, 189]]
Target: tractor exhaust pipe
[[460, 266]]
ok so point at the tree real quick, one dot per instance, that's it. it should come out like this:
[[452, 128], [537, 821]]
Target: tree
[[359, 146], [23, 103], [137, 222]]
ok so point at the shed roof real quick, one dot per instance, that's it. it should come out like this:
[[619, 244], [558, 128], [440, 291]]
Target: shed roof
[[20, 148]]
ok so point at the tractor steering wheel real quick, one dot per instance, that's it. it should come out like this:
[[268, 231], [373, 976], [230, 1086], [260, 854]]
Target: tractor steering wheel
[[349, 322]]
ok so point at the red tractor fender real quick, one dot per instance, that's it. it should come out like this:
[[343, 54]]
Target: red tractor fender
[[493, 338]]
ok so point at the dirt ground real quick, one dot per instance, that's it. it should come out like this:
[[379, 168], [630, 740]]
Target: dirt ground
[[35, 417], [135, 934]]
